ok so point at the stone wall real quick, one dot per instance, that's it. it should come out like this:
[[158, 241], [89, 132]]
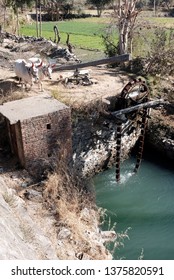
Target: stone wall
[[94, 143]]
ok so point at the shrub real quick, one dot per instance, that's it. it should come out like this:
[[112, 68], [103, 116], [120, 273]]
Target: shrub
[[111, 48], [160, 60]]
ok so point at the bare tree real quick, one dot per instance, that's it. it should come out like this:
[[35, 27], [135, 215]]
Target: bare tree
[[126, 13]]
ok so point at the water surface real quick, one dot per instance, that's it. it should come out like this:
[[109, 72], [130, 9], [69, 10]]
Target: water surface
[[143, 202]]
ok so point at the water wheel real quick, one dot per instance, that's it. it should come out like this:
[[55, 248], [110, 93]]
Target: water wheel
[[135, 92]]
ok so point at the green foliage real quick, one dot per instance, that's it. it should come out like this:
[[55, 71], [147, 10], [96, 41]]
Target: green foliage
[[171, 13], [160, 40], [110, 41], [15, 4], [160, 60], [99, 4], [140, 4], [111, 45], [151, 2], [135, 66]]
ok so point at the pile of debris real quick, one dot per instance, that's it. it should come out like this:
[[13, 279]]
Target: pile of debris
[[62, 55], [79, 77], [45, 47]]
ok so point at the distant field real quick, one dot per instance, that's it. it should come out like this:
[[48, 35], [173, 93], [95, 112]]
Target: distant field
[[85, 33], [166, 22]]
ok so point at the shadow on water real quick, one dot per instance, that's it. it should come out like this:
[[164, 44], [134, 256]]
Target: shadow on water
[[152, 155]]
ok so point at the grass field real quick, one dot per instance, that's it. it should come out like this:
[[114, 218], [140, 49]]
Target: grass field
[[86, 33], [166, 22]]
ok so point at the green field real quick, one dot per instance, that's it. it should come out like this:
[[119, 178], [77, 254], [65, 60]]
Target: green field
[[84, 33]]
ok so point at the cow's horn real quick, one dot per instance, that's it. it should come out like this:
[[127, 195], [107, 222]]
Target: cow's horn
[[40, 64]]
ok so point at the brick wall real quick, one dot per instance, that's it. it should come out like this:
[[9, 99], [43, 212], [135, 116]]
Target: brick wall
[[46, 139]]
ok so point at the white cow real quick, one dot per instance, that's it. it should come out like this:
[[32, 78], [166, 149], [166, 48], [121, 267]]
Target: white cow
[[35, 60], [44, 70], [25, 72]]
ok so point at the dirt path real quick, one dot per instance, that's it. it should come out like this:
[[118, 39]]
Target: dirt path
[[106, 82]]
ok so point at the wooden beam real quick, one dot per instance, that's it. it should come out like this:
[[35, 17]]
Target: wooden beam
[[113, 59], [149, 104]]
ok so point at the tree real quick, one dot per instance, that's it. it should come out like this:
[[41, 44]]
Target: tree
[[4, 6], [126, 13], [16, 4], [55, 7], [99, 4]]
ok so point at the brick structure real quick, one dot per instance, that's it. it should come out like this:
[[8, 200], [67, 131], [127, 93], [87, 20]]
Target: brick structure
[[39, 130]]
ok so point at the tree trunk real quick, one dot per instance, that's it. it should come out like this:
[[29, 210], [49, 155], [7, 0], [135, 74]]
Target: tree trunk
[[4, 17], [40, 22], [37, 29], [17, 21], [126, 14]]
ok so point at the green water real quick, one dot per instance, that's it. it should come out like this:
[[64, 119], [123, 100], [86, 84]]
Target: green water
[[143, 202]]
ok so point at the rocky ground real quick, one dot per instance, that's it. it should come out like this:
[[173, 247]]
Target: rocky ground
[[30, 230]]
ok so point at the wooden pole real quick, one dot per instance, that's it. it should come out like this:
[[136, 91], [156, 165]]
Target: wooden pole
[[113, 59]]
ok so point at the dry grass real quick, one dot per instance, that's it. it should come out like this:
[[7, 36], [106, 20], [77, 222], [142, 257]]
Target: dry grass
[[11, 97], [10, 199], [10, 90], [27, 232], [75, 211], [64, 192]]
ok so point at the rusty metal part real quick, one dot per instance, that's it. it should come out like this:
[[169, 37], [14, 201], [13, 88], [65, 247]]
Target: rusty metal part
[[118, 151], [135, 92], [141, 139]]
